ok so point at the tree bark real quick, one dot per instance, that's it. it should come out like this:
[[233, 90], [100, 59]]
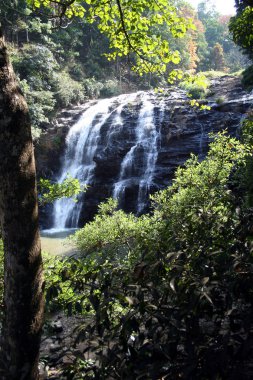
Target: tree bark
[[23, 295]]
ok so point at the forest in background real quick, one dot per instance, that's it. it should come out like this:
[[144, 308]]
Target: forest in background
[[59, 67]]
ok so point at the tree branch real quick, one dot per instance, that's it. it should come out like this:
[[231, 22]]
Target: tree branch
[[144, 59]]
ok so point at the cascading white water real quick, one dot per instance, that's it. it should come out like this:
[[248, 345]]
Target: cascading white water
[[130, 145], [141, 133], [118, 122], [147, 139], [81, 145], [122, 138], [81, 139], [153, 139]]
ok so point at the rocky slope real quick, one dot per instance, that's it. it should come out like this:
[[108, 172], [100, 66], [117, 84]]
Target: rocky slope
[[180, 130]]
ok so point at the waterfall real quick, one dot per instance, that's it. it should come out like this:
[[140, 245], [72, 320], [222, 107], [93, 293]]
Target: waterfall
[[81, 146], [147, 139], [84, 143], [130, 145], [150, 138]]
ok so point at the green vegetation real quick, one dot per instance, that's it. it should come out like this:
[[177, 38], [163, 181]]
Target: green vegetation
[[196, 86], [168, 294], [247, 179], [220, 100], [212, 74], [59, 69], [156, 286], [247, 78], [241, 28], [49, 192]]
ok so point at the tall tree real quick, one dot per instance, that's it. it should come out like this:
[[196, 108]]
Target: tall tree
[[241, 4], [194, 59], [217, 57], [131, 27], [241, 26], [23, 298]]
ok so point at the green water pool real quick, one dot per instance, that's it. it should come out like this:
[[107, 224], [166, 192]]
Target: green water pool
[[55, 242]]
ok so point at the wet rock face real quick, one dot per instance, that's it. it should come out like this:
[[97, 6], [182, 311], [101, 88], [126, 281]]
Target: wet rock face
[[139, 141]]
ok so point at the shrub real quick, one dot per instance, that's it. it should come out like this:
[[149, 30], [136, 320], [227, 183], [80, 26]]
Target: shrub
[[35, 61], [247, 78], [161, 288], [196, 86], [199, 208], [68, 91], [247, 175], [213, 74], [41, 105], [92, 87], [110, 88], [220, 100]]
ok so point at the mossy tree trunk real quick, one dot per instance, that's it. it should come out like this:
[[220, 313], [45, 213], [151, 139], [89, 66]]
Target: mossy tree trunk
[[23, 295]]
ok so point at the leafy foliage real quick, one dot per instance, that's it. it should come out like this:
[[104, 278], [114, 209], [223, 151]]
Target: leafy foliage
[[247, 78], [68, 90], [59, 69], [218, 57], [241, 27], [131, 28], [247, 178], [217, 32], [199, 197], [166, 294], [196, 86], [49, 192]]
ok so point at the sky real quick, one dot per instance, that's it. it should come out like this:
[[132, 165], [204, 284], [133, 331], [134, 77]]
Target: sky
[[225, 7]]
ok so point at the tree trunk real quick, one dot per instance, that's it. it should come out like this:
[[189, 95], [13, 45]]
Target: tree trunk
[[23, 295]]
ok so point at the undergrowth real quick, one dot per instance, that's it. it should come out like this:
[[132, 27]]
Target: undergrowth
[[166, 295], [169, 294]]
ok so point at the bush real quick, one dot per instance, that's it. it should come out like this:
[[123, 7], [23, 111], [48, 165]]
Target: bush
[[247, 175], [213, 74], [169, 296], [41, 106], [35, 62], [247, 78], [68, 91], [36, 67], [196, 86], [110, 88], [41, 103], [220, 100], [92, 87]]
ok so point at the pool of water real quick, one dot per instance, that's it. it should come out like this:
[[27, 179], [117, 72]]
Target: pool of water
[[54, 242]]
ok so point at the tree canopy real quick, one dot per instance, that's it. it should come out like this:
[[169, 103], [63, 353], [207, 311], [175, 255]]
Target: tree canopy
[[241, 26], [132, 27]]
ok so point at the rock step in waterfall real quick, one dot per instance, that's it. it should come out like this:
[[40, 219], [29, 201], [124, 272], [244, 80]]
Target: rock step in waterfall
[[146, 141], [82, 144], [129, 146]]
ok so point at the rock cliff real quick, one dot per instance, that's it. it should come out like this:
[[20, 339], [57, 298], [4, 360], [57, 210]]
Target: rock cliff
[[133, 145]]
